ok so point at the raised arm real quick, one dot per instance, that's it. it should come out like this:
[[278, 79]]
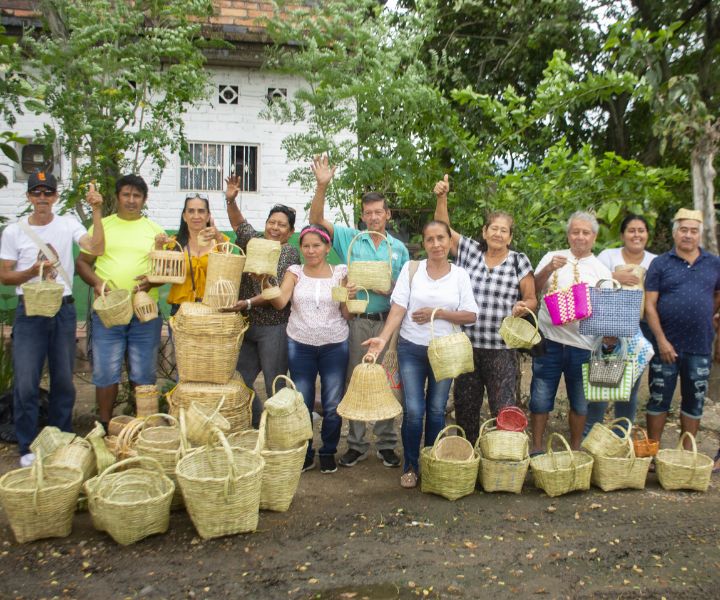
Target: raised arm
[[94, 244], [232, 188], [441, 191], [323, 176], [557, 262]]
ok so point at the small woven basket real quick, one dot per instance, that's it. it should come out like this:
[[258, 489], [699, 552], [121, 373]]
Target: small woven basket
[[223, 264], [370, 274], [642, 444], [270, 288], [357, 306], [558, 473], [519, 333], [144, 307], [368, 396], [262, 256], [288, 418], [167, 266], [78, 454], [147, 400], [451, 479], [450, 355], [42, 298], [49, 440], [220, 294], [618, 473], [201, 420], [681, 469], [133, 503], [511, 418], [502, 475], [339, 293], [603, 441], [496, 444], [221, 487], [116, 424], [113, 307], [40, 501]]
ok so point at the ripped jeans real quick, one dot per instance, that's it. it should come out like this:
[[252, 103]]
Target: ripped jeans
[[694, 371]]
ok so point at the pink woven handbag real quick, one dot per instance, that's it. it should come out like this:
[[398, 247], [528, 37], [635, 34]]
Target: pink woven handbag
[[569, 304]]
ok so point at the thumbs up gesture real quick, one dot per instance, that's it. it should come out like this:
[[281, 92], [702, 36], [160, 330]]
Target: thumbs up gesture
[[93, 197], [442, 187]]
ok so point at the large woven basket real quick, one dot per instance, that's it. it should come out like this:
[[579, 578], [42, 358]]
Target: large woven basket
[[558, 473], [49, 440], [167, 266], [78, 454], [450, 355], [40, 501], [42, 298], [201, 420], [681, 469], [221, 487], [113, 307], [282, 471], [519, 333], [288, 418], [163, 443], [203, 357], [451, 479], [502, 475], [144, 307], [368, 396], [603, 441], [617, 473], [133, 503], [200, 319], [497, 444], [223, 264], [370, 274], [262, 256], [237, 408]]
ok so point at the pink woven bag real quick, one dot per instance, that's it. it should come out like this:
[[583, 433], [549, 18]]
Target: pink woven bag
[[569, 304]]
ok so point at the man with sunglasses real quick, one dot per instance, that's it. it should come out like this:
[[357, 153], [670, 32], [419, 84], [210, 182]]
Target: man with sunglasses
[[375, 215], [45, 240]]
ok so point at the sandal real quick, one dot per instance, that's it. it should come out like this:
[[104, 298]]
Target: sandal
[[408, 480], [716, 466]]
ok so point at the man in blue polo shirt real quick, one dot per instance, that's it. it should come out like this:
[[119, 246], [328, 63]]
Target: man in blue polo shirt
[[375, 214], [682, 294]]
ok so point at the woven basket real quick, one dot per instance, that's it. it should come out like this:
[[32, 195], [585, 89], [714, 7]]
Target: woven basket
[[163, 443], [497, 444], [224, 265], [502, 475], [103, 457], [454, 447], [511, 418], [288, 418], [262, 256], [78, 454], [199, 319], [643, 445], [42, 298], [450, 355], [221, 487], [116, 424], [113, 307], [269, 287], [339, 293], [131, 504], [451, 479], [282, 471], [370, 274], [603, 441], [167, 266], [619, 473], [144, 307], [368, 396], [357, 306], [237, 408], [147, 400], [201, 420], [519, 333], [220, 294], [681, 469], [558, 473], [49, 440], [40, 501], [203, 357], [125, 443]]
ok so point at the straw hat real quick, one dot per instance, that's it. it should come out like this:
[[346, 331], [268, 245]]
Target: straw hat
[[691, 215]]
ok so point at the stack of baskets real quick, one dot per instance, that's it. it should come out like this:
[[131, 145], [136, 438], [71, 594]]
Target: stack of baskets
[[449, 467], [504, 458]]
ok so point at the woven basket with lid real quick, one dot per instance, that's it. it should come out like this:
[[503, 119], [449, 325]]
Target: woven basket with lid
[[288, 419]]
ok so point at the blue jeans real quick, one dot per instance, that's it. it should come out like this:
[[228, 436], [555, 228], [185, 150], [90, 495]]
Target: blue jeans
[[415, 370], [694, 370], [34, 340], [141, 340], [330, 361], [559, 359], [596, 410]]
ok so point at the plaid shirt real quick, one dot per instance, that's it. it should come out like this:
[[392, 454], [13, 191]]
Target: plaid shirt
[[496, 291]]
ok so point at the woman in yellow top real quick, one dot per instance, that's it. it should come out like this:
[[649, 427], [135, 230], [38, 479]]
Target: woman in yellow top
[[196, 236]]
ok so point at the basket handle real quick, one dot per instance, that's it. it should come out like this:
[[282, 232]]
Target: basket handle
[[151, 462], [128, 433], [361, 288], [486, 424], [173, 421], [432, 328], [172, 241], [443, 433], [534, 318], [232, 470], [616, 287], [627, 429], [169, 396], [184, 444], [262, 433], [267, 278], [226, 248], [636, 430], [287, 380], [694, 445], [567, 448], [372, 358], [368, 232]]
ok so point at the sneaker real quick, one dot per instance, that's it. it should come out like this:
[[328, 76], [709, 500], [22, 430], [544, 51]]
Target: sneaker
[[327, 463], [26, 460], [309, 463], [352, 457], [389, 458]]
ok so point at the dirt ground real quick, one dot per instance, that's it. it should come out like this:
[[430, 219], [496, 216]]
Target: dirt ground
[[356, 534]]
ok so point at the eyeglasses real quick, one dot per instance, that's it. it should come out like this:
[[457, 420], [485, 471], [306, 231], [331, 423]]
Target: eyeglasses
[[39, 193], [283, 208], [197, 195]]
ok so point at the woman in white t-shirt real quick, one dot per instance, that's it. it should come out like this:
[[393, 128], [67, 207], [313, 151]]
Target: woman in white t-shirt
[[436, 284], [317, 334]]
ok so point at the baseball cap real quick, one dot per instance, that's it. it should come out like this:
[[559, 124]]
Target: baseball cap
[[42, 179]]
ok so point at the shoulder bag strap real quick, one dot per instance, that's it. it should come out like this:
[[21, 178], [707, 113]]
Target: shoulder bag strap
[[51, 256], [192, 274]]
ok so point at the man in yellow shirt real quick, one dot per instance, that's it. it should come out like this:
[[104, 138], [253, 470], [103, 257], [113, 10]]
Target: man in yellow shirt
[[129, 236]]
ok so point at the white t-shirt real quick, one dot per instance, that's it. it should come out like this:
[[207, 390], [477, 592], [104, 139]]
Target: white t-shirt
[[451, 292], [591, 270], [59, 234], [612, 257]]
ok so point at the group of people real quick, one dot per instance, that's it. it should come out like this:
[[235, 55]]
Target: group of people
[[307, 333]]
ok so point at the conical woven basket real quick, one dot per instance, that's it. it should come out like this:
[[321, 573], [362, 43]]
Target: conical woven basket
[[368, 396], [681, 469], [288, 418], [449, 355], [113, 307], [558, 473], [370, 274], [223, 264], [42, 298], [262, 256], [144, 307], [167, 266]]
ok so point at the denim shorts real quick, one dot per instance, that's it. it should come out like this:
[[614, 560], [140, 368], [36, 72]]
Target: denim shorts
[[141, 340], [694, 371], [558, 360]]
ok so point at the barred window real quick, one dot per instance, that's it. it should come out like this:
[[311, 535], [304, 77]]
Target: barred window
[[203, 169], [243, 162]]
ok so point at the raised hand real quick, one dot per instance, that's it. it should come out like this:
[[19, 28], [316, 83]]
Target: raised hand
[[93, 197], [232, 187], [442, 187], [322, 169]]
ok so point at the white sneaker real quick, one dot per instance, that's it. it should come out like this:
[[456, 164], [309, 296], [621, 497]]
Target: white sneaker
[[26, 460]]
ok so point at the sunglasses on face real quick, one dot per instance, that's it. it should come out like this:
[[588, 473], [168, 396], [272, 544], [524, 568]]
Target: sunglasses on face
[[197, 195], [283, 208], [39, 193]]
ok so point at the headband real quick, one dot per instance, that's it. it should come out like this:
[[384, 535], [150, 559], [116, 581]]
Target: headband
[[320, 232]]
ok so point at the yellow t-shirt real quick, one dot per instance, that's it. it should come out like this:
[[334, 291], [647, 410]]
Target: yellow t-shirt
[[127, 244], [183, 292]]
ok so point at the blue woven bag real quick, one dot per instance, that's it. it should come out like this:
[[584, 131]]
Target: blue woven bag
[[615, 311]]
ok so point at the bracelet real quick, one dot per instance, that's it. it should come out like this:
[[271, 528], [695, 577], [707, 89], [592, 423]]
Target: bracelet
[[230, 201], [249, 304]]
